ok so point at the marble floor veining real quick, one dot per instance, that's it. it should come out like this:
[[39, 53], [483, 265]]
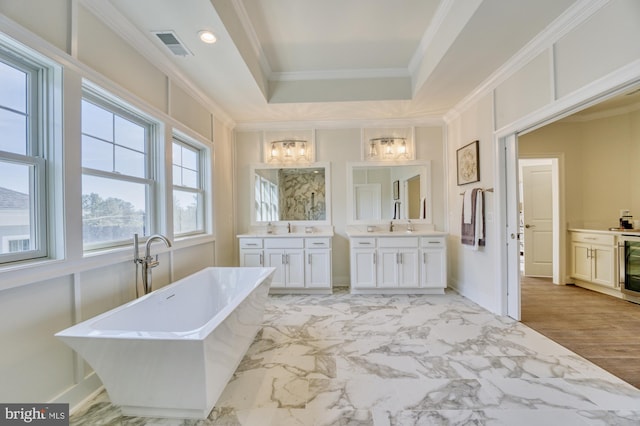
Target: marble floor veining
[[378, 360]]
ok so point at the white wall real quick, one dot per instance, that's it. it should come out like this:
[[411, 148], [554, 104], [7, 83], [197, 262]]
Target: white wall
[[339, 146], [594, 53], [600, 165], [38, 299]]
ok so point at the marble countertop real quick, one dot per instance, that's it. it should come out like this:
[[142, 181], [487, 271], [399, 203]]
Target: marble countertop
[[398, 233], [616, 231], [286, 235]]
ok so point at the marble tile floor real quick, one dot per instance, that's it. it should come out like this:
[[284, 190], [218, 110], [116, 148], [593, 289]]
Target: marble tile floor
[[402, 360]]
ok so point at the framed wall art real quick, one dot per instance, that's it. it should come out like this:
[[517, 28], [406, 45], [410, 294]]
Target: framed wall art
[[468, 162], [396, 189]]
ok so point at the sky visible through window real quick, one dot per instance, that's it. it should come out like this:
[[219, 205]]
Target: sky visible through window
[[13, 126]]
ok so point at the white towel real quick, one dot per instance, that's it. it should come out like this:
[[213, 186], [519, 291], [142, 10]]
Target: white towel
[[466, 206]]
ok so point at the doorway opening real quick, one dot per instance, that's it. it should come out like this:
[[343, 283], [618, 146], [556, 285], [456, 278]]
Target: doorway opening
[[539, 216], [575, 135]]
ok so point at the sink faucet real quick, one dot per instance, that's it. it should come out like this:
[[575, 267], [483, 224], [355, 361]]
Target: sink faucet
[[391, 226], [409, 226], [289, 227], [147, 261]]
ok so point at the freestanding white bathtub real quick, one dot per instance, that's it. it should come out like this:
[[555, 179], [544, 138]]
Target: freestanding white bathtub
[[171, 353]]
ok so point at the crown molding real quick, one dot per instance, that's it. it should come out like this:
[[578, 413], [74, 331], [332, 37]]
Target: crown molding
[[561, 26], [110, 16], [433, 121], [245, 21], [340, 74]]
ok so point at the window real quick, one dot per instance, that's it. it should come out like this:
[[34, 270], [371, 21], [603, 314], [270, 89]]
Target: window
[[24, 85], [117, 179], [266, 196], [188, 193]]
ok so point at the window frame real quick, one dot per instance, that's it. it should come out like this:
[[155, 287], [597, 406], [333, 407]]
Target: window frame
[[200, 191], [39, 87], [117, 107]]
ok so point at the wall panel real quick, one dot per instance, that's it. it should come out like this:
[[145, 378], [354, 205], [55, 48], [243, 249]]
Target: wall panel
[[110, 55], [524, 92], [192, 259], [602, 44], [188, 111], [51, 22], [34, 365]]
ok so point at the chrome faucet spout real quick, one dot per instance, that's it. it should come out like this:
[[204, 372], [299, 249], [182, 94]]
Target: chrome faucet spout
[[147, 246], [148, 261]]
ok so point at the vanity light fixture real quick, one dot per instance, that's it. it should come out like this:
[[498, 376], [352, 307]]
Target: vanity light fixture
[[207, 36], [388, 148], [289, 151]]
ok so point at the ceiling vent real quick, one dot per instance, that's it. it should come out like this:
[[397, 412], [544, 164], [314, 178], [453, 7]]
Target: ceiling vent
[[170, 39]]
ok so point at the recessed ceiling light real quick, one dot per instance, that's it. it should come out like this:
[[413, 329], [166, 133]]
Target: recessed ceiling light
[[207, 36]]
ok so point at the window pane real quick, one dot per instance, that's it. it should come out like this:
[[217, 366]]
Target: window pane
[[13, 132], [190, 178], [97, 154], [112, 210], [130, 135], [177, 153], [185, 212], [97, 121], [130, 163], [15, 207], [177, 175], [189, 158], [13, 88]]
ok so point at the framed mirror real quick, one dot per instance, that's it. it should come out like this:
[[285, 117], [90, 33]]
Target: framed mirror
[[380, 192], [291, 194]]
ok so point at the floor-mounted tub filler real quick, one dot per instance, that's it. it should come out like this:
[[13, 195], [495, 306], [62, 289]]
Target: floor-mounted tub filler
[[171, 353]]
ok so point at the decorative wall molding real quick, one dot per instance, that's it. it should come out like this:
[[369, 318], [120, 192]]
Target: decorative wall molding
[[565, 23]]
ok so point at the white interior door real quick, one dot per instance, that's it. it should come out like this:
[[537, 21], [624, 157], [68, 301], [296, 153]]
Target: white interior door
[[510, 187], [367, 201], [537, 208]]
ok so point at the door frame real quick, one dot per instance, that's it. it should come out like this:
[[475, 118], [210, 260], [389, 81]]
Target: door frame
[[506, 157], [559, 249]]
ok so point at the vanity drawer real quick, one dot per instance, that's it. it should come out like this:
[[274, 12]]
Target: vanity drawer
[[249, 243], [284, 243], [431, 242], [317, 242], [398, 242], [363, 242], [604, 239]]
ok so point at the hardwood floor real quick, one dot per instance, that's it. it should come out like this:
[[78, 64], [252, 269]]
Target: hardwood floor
[[603, 329]]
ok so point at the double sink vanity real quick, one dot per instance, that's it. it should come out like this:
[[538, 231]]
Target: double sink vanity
[[398, 261], [291, 229]]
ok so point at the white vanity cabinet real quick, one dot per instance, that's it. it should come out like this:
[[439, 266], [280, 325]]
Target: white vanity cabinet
[[363, 262], [251, 254], [403, 264], [398, 262], [318, 262], [433, 262], [287, 256], [593, 258], [303, 264]]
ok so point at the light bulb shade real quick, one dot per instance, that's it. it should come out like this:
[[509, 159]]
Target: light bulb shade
[[373, 151], [289, 151]]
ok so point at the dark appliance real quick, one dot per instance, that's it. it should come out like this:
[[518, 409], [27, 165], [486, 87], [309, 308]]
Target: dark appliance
[[629, 257]]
